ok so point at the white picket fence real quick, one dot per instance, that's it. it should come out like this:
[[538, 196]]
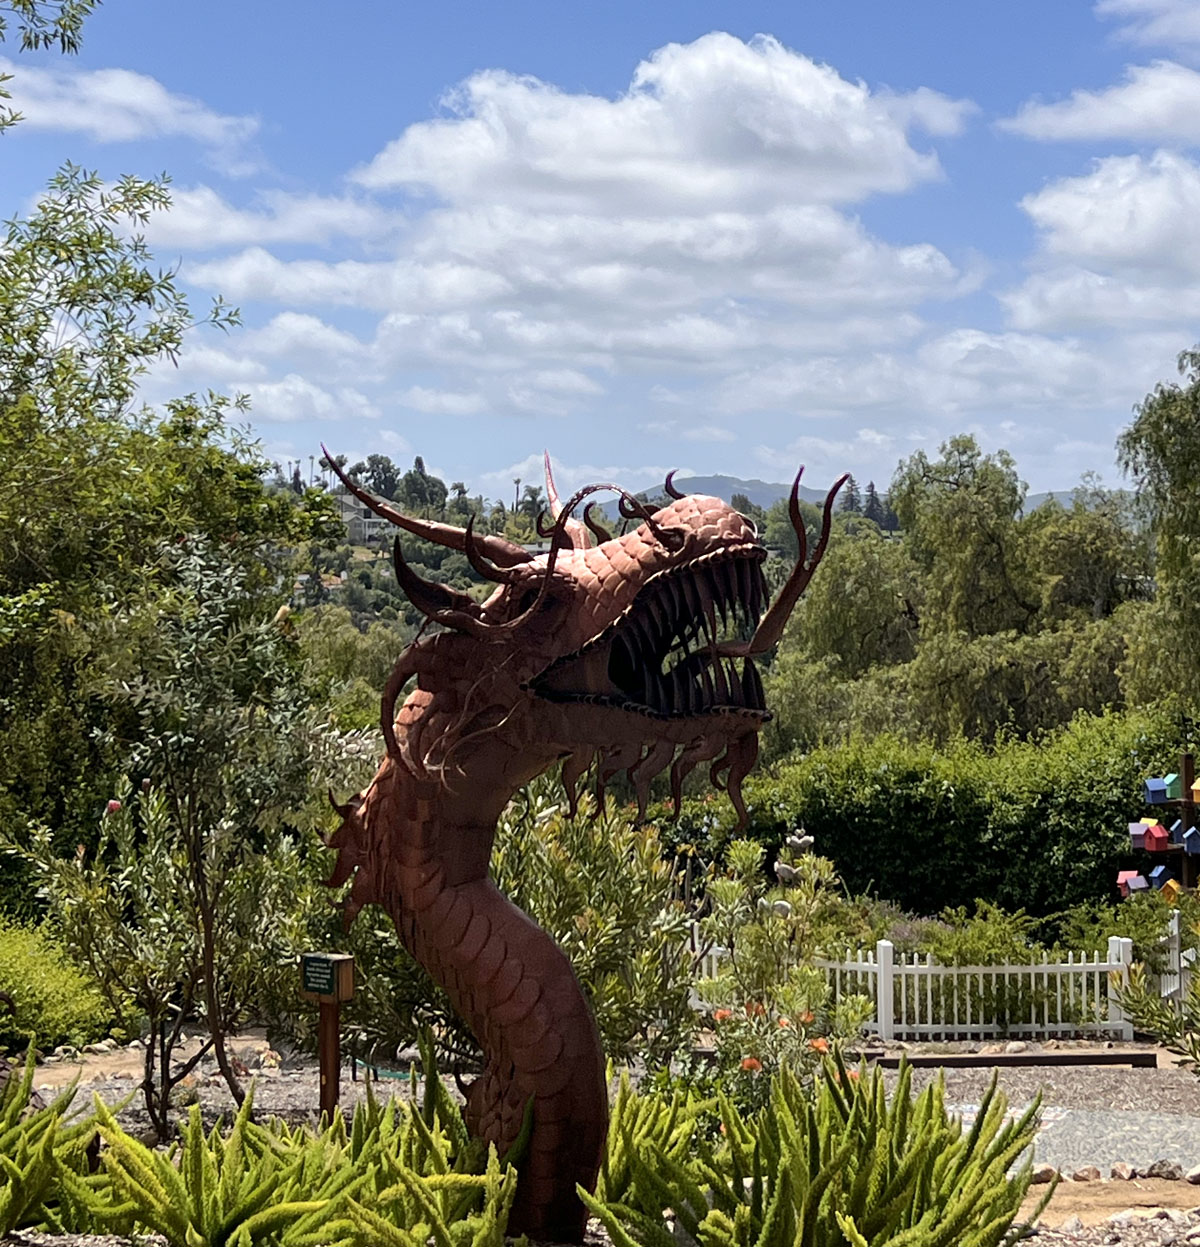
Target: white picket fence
[[917, 998], [1174, 980]]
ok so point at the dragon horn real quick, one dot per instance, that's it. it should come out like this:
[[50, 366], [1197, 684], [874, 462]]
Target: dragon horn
[[771, 628], [577, 533], [438, 603], [502, 552], [504, 576], [669, 486], [602, 533]]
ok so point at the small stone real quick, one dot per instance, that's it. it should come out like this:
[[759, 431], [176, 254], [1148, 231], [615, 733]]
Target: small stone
[[94, 1049], [1051, 1045], [991, 1049], [107, 1045], [1123, 1171], [1043, 1173], [1086, 1173], [1167, 1169], [1015, 1047], [1128, 1217], [1072, 1225], [122, 1075], [1193, 1175], [148, 1138], [136, 1043]]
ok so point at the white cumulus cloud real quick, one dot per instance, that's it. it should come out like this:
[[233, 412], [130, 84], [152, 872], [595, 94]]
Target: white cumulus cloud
[[1158, 103], [1156, 23], [119, 106]]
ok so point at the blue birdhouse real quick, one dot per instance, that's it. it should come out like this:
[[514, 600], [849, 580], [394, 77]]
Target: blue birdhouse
[[1155, 791], [1159, 875], [1176, 831], [1174, 785], [1191, 842]]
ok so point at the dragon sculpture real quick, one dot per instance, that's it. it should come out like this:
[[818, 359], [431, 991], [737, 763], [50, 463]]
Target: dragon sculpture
[[630, 654]]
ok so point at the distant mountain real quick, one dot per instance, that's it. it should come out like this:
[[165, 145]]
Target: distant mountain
[[764, 493]]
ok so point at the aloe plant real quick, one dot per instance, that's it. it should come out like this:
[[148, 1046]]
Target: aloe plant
[[846, 1167]]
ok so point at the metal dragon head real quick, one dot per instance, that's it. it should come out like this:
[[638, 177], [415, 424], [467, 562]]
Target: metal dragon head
[[631, 654]]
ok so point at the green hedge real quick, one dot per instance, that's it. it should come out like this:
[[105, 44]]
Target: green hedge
[[1034, 826]]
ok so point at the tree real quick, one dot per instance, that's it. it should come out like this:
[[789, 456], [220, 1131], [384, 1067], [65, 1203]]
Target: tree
[[381, 476], [1160, 450], [959, 514], [186, 904], [872, 508], [851, 498], [41, 24], [533, 503], [751, 510]]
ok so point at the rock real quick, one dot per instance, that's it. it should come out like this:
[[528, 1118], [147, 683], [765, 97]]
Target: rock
[[1051, 1045], [107, 1045], [991, 1049], [1072, 1225], [1015, 1047], [93, 1049], [1128, 1217], [1123, 1171], [1086, 1173], [1167, 1169], [122, 1075], [136, 1043], [148, 1138], [1193, 1175], [1043, 1173]]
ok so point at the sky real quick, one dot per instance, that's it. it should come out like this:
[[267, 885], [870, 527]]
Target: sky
[[721, 238]]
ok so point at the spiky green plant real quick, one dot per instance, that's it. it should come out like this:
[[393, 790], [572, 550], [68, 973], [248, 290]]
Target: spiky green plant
[[846, 1167], [34, 1146]]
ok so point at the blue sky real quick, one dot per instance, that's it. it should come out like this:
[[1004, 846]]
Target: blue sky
[[714, 237]]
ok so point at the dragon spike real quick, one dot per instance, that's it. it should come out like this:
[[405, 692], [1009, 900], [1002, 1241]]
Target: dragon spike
[[602, 533], [577, 533], [500, 575], [770, 629], [669, 486], [500, 550], [438, 603]]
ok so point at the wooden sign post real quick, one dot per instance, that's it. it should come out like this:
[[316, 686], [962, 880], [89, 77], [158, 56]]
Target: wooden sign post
[[327, 979]]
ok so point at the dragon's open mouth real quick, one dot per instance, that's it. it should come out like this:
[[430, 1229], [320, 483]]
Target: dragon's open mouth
[[660, 657]]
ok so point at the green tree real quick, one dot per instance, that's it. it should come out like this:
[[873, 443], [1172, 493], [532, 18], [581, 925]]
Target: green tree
[[851, 499], [960, 517], [1160, 450], [40, 24]]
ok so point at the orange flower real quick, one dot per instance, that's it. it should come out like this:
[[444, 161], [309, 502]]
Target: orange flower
[[722, 1015], [853, 1074], [806, 1017], [755, 1009], [751, 1063], [785, 1022], [820, 1044]]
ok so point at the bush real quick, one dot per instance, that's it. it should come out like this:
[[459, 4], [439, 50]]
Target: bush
[[1033, 826], [56, 1002], [846, 1166]]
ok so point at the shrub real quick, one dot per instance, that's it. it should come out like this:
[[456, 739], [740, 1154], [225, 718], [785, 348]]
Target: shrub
[[1037, 826], [771, 1007], [846, 1167], [56, 1002]]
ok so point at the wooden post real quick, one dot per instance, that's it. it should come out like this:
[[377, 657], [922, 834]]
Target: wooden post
[[329, 1055], [327, 979]]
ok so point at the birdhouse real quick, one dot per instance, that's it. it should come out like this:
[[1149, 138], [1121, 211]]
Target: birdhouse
[[1175, 831], [1138, 884], [1155, 791], [1196, 791], [1137, 835], [1191, 842], [1174, 785], [1157, 840], [1123, 878], [1159, 875], [1171, 891]]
